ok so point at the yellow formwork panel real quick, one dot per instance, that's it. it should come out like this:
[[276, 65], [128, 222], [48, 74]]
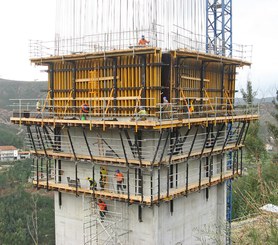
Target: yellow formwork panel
[[94, 85], [190, 77]]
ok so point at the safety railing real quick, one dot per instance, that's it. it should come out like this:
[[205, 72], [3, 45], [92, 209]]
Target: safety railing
[[102, 42], [185, 39], [180, 109], [179, 38], [145, 186], [114, 146]]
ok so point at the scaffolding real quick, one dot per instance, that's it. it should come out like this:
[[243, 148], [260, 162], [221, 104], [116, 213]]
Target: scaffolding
[[171, 163], [109, 227]]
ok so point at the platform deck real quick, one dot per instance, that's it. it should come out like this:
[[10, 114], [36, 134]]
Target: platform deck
[[147, 200]]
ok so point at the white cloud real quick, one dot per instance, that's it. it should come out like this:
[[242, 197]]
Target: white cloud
[[20, 22], [255, 22]]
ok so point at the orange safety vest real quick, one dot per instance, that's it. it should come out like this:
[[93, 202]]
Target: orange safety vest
[[102, 206], [143, 42], [119, 177]]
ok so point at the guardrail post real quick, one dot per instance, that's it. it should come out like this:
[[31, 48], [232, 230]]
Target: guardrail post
[[19, 109]]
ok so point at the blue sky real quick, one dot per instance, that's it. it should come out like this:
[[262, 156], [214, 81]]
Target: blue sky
[[255, 22]]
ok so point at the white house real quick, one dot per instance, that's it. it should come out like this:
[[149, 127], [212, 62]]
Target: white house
[[8, 153]]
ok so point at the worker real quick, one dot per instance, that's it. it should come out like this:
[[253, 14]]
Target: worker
[[143, 41], [84, 111], [166, 108], [120, 180], [38, 105], [85, 108], [191, 106], [102, 209], [142, 113], [93, 183], [103, 178]]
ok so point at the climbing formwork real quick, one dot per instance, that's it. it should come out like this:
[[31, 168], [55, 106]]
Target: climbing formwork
[[173, 158]]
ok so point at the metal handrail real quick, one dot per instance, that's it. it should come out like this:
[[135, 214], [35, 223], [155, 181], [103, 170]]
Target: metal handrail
[[159, 112], [103, 42]]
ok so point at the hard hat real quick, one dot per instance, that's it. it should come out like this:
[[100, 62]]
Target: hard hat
[[143, 36], [141, 107], [117, 170]]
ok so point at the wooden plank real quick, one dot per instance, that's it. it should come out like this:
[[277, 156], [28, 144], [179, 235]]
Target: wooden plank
[[154, 124], [104, 78], [99, 98], [206, 151], [82, 80], [95, 79], [100, 159], [194, 98], [194, 78]]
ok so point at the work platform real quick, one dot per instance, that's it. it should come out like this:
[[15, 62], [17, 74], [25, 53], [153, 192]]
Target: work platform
[[145, 200], [139, 50], [143, 163], [150, 124]]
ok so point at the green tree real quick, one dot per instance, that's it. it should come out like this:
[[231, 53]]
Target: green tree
[[273, 128], [255, 150], [247, 196], [259, 184], [19, 208], [248, 95], [9, 136]]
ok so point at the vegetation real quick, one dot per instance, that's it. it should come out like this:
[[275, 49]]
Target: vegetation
[[248, 95], [247, 195], [15, 90], [259, 230], [258, 186], [25, 217], [10, 136], [272, 127]]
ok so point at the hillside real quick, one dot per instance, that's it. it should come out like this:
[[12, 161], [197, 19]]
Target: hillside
[[11, 89], [12, 134]]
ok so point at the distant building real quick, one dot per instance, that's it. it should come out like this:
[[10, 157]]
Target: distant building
[[8, 153], [24, 154], [268, 147]]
